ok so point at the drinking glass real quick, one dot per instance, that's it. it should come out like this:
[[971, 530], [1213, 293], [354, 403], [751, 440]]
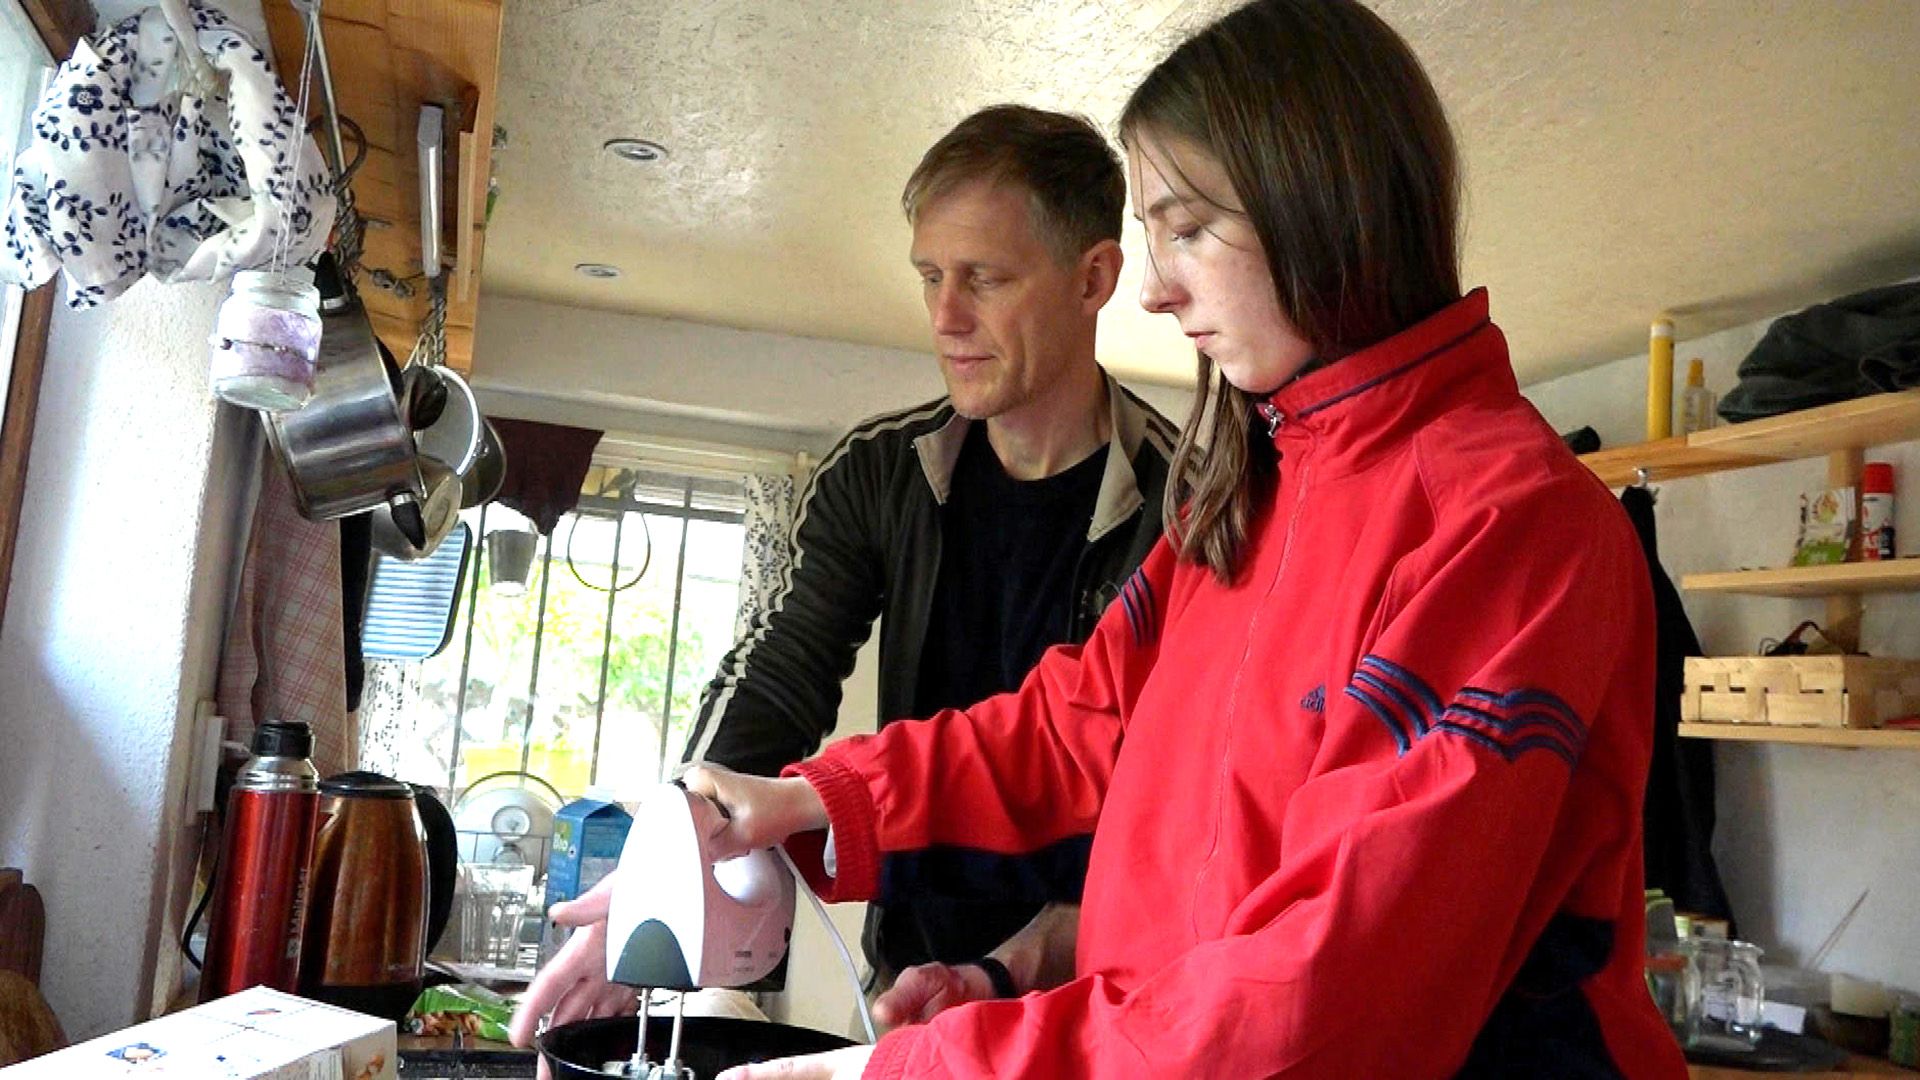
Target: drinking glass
[[1730, 992], [494, 899]]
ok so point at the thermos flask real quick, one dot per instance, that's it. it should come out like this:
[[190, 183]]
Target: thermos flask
[[260, 885]]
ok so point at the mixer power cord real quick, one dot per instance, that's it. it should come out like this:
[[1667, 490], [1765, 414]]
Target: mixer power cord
[[839, 943]]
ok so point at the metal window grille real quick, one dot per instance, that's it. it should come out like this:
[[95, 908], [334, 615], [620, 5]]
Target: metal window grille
[[656, 498]]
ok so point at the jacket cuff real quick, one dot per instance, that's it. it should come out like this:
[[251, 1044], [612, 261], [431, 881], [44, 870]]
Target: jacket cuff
[[850, 815], [889, 1059]]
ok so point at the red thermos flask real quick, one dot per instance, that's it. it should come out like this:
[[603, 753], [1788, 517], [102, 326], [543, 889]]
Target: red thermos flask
[[260, 887]]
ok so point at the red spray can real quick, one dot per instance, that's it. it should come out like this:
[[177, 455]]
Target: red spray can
[[260, 887]]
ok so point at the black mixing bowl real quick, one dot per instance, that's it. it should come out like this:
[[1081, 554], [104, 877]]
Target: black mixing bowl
[[709, 1045]]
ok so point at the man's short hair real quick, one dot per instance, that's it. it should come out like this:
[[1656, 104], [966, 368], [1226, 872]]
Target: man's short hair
[[1078, 191]]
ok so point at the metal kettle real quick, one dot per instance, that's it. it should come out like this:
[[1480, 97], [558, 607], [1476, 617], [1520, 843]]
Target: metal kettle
[[365, 941]]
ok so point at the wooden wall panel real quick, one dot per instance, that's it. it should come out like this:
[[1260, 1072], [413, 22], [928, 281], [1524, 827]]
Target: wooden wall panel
[[388, 58]]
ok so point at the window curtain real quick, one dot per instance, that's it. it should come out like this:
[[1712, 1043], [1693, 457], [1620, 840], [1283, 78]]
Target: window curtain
[[388, 725], [768, 548]]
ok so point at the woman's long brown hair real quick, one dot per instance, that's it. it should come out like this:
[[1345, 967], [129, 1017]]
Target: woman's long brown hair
[[1340, 155]]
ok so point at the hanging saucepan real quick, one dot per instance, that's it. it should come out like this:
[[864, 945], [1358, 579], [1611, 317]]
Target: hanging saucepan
[[489, 472], [348, 448], [448, 423]]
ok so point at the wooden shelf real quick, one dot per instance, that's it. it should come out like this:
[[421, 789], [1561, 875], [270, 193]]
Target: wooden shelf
[[1811, 581], [1847, 425], [1853, 1066], [1852, 738], [1667, 459]]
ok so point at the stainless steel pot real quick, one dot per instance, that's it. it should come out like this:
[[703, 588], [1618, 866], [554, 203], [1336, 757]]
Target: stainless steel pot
[[457, 434], [348, 448], [489, 472]]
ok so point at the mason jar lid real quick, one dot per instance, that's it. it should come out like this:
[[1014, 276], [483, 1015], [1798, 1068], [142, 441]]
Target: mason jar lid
[[291, 289]]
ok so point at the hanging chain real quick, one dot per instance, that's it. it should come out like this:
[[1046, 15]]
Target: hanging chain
[[348, 233], [349, 229], [431, 349], [284, 243]]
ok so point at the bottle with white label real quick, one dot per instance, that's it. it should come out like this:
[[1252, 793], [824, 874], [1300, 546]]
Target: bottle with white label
[[1696, 405], [1876, 512]]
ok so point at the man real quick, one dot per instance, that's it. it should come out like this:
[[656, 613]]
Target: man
[[981, 528]]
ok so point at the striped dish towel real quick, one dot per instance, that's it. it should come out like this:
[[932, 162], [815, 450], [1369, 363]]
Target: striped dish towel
[[285, 653]]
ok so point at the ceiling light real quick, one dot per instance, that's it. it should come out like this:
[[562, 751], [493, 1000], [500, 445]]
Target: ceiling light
[[597, 270], [642, 151]]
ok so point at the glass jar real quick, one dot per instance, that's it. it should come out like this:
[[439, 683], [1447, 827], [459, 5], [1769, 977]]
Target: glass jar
[[266, 340], [1730, 994]]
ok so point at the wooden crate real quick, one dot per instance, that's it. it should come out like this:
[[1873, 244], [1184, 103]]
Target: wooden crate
[[1800, 691]]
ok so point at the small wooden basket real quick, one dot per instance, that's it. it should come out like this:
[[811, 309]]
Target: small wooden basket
[[1800, 691]]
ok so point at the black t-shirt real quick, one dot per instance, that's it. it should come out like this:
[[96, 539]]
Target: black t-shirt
[[1004, 595], [1005, 591]]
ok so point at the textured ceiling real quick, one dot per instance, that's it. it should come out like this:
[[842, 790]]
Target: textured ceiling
[[1720, 159]]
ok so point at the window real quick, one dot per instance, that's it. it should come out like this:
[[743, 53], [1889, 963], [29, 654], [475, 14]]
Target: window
[[25, 67], [29, 45], [591, 670]]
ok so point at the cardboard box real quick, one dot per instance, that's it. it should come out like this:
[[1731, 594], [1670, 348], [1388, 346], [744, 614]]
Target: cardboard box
[[587, 837], [256, 1034]]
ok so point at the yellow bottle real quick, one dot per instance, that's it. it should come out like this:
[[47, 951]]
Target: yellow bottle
[[1660, 380]]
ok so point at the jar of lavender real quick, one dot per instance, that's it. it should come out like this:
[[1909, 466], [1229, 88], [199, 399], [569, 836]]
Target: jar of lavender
[[266, 339]]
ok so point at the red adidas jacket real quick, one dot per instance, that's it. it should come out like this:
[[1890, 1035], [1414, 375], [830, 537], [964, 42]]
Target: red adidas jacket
[[1371, 811]]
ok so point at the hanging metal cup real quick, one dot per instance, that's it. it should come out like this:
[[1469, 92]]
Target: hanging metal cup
[[510, 559]]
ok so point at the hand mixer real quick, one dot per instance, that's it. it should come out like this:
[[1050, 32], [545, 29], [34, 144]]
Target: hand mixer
[[681, 922]]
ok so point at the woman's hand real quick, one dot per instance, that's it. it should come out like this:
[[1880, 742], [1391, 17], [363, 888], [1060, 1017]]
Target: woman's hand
[[845, 1064], [573, 985], [754, 813], [759, 812]]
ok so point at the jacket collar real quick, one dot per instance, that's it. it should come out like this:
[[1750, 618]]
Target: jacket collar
[[1119, 497], [1383, 393]]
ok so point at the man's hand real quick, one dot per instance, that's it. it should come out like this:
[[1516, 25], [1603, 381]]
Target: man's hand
[[845, 1064], [761, 812], [924, 991], [573, 985], [1040, 956]]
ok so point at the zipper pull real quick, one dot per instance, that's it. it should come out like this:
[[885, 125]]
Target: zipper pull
[[1274, 419]]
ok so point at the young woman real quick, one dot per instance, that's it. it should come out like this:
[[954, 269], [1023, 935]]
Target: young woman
[[1365, 738]]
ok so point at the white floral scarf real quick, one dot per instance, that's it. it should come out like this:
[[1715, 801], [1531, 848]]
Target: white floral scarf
[[134, 169]]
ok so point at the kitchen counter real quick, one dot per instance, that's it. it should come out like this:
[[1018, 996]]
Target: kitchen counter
[[1855, 1066], [436, 1058]]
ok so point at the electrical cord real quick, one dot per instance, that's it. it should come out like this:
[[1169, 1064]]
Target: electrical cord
[[839, 943], [193, 921]]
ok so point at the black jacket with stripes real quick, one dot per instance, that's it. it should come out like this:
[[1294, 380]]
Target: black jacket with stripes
[[866, 543]]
